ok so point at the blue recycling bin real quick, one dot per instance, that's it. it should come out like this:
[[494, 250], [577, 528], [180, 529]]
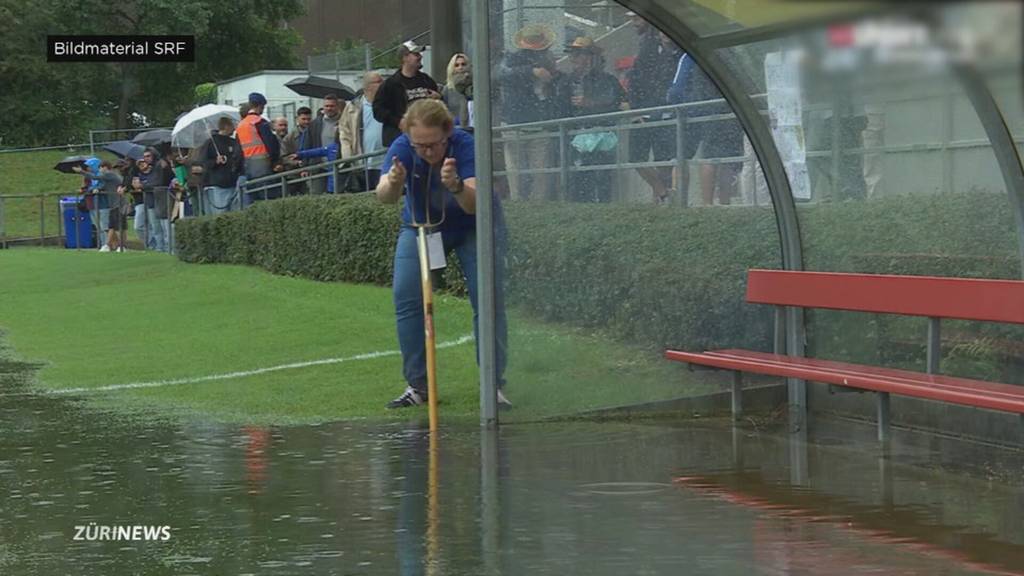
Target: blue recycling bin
[[72, 217]]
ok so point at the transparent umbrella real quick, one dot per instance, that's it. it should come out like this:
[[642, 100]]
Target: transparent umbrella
[[193, 128]]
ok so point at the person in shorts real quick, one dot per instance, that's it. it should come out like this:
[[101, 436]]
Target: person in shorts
[[648, 81], [110, 187], [714, 139]]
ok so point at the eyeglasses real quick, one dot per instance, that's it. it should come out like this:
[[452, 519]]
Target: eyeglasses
[[423, 147]]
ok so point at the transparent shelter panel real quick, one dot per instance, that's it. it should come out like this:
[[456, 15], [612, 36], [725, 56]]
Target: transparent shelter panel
[[620, 243], [899, 176]]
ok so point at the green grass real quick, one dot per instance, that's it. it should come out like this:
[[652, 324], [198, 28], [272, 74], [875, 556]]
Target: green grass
[[33, 173], [109, 319]]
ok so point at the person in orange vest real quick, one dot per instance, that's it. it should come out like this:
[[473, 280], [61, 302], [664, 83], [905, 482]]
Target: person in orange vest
[[261, 150]]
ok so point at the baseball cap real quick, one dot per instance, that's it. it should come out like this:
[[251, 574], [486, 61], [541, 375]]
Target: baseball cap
[[409, 47], [257, 98]]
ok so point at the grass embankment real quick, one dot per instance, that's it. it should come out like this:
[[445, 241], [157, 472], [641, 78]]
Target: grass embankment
[[98, 320], [33, 173]]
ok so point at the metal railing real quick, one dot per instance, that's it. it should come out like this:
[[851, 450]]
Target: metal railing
[[283, 184], [90, 230], [331, 169], [358, 58], [91, 144], [564, 129]]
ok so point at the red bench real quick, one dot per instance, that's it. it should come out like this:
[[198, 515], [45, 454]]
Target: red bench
[[932, 297]]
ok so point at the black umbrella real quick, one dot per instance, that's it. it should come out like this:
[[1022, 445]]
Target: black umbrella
[[125, 149], [70, 162], [153, 137], [318, 87]]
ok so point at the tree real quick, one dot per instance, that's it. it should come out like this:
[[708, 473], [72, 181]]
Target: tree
[[205, 93], [54, 103]]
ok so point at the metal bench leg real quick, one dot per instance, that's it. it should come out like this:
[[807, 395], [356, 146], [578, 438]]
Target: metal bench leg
[[737, 395], [883, 416], [737, 448]]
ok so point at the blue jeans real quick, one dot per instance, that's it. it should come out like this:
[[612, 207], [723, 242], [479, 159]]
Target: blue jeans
[[218, 200], [139, 223], [159, 231], [408, 299]]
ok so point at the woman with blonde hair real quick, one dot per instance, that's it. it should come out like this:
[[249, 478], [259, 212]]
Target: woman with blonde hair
[[433, 165], [458, 91]]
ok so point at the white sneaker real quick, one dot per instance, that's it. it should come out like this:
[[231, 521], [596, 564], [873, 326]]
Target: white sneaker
[[105, 248], [502, 401], [121, 249]]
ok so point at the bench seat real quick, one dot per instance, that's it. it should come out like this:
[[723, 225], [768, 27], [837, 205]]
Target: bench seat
[[950, 389]]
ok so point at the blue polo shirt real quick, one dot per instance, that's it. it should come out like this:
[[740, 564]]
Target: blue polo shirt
[[421, 177]]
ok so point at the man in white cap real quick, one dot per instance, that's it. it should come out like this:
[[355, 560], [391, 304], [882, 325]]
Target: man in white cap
[[405, 86]]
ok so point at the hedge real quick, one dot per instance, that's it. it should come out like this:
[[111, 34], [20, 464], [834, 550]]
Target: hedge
[[656, 276]]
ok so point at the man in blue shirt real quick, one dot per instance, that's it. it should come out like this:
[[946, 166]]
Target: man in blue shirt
[[433, 164]]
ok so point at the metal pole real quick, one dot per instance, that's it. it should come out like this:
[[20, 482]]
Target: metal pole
[[171, 202], [490, 509], [485, 215], [3, 227], [934, 345], [947, 137], [42, 220], [92, 144], [60, 222], [78, 233], [145, 219], [682, 164], [367, 57], [564, 160], [836, 135]]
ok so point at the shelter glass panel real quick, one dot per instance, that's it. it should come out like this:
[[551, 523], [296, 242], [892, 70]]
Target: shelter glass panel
[[892, 169], [632, 208]]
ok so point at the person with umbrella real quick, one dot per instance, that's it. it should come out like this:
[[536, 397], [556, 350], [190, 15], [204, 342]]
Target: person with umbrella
[[125, 149], [113, 193], [222, 165], [433, 165], [320, 134], [97, 202]]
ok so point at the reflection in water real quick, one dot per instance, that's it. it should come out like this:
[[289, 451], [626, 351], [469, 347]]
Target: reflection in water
[[594, 498]]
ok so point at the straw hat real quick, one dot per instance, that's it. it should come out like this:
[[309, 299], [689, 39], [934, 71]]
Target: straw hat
[[583, 44], [535, 37]]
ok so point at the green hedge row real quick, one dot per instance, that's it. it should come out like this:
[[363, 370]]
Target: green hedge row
[[662, 277]]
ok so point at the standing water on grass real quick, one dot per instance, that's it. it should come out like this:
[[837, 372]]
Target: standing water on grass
[[565, 498]]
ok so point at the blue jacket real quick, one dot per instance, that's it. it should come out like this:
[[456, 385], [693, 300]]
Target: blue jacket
[[330, 152]]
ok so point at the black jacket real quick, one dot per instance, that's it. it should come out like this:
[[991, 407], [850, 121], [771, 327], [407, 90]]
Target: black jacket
[[652, 72], [392, 100], [519, 102], [222, 175], [602, 93]]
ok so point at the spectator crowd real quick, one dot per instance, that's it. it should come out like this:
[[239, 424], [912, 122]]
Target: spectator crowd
[[534, 85]]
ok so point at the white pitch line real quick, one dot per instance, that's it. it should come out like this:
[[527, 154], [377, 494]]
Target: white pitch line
[[230, 375]]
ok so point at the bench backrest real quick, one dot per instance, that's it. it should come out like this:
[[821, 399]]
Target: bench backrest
[[961, 298]]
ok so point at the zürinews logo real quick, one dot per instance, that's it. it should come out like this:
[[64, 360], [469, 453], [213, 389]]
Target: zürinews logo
[[92, 532]]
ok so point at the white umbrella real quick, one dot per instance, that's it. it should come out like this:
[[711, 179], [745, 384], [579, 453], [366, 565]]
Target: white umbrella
[[193, 128]]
